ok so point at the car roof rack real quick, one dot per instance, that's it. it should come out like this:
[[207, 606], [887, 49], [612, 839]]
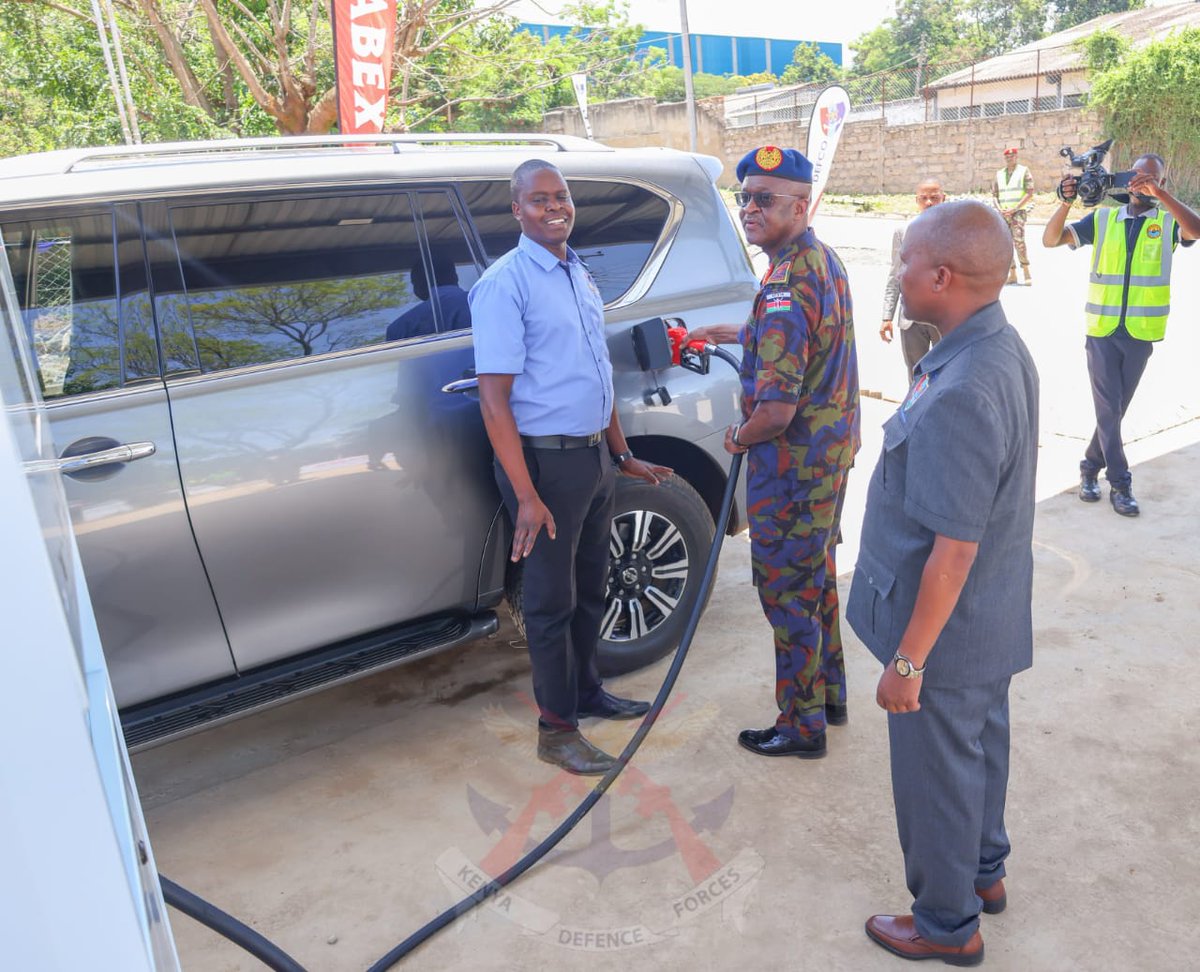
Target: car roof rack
[[91, 159]]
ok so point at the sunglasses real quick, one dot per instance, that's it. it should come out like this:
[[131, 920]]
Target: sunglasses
[[764, 200]]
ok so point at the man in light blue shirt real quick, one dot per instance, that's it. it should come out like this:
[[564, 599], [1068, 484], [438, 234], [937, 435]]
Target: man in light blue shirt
[[546, 393]]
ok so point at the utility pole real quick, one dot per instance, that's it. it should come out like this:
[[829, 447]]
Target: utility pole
[[689, 92]]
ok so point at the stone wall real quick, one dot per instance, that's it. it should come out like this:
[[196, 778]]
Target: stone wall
[[872, 157], [636, 122]]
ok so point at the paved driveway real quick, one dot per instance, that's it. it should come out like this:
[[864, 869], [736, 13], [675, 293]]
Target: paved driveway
[[338, 824]]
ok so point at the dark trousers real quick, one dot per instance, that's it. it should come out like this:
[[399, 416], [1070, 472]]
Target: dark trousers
[[1115, 366], [915, 342], [949, 780], [566, 578]]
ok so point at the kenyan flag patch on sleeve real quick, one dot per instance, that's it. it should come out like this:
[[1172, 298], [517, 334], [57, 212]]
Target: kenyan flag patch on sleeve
[[777, 302]]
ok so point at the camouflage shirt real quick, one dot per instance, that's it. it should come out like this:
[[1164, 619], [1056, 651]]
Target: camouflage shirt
[[798, 347]]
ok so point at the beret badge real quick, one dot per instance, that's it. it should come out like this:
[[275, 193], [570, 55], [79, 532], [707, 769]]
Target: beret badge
[[768, 158]]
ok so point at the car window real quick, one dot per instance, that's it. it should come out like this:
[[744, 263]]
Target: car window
[[65, 278], [274, 279], [616, 227], [453, 262]]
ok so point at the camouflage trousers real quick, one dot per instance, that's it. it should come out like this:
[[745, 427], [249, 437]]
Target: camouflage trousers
[[792, 555], [1016, 226]]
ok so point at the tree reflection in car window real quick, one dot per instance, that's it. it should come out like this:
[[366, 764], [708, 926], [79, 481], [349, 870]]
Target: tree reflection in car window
[[66, 289], [270, 280]]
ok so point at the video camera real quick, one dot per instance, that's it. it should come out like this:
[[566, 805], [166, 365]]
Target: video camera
[[1096, 182]]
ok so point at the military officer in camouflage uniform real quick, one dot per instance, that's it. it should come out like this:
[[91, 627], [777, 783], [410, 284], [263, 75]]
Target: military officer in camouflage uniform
[[800, 430]]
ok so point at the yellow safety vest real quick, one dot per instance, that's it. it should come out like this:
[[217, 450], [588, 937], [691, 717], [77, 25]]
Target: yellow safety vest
[[1012, 190], [1149, 298]]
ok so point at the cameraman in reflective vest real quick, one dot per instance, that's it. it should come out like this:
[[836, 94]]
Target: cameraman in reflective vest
[[1129, 296], [1013, 192]]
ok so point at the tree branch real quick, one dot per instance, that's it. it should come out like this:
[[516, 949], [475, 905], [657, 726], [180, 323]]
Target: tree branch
[[193, 91]]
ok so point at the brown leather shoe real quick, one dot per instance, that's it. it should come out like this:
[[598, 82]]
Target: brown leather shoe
[[898, 935], [568, 750], [994, 898]]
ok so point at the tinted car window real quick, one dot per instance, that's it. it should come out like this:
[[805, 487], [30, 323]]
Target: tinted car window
[[616, 227], [66, 289], [270, 280], [451, 266]]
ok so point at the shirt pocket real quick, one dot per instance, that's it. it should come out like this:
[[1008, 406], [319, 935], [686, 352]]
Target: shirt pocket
[[881, 583], [895, 453]]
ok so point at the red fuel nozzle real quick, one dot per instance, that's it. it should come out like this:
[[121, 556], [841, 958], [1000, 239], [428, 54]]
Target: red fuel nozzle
[[678, 338], [676, 335]]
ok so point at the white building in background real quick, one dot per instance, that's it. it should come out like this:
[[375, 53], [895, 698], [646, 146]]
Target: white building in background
[[1049, 73]]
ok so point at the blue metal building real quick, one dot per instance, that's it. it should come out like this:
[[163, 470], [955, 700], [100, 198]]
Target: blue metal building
[[713, 53]]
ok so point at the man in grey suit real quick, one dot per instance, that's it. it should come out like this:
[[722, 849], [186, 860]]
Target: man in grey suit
[[942, 589], [916, 337]]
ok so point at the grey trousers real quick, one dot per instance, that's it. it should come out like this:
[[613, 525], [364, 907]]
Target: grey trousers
[[915, 341], [949, 779]]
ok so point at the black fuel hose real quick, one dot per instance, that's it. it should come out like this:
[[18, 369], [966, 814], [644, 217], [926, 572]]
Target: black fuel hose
[[494, 886], [275, 958], [266, 951]]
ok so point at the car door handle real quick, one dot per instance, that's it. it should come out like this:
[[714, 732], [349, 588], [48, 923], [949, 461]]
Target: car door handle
[[461, 386], [83, 462]]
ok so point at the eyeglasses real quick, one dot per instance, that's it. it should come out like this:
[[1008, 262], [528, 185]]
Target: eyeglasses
[[763, 200]]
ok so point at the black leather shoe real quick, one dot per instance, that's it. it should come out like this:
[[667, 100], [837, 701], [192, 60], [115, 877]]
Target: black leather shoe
[[1123, 502], [778, 744], [755, 736], [568, 750], [836, 715], [1089, 489], [606, 706]]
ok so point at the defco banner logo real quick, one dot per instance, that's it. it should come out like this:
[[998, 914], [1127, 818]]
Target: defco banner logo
[[832, 118]]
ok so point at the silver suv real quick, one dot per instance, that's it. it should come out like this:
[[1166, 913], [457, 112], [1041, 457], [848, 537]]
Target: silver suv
[[257, 356]]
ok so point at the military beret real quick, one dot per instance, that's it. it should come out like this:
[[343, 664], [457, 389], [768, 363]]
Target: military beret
[[772, 161]]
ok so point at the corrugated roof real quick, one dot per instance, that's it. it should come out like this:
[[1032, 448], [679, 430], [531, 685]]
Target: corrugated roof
[[1058, 52]]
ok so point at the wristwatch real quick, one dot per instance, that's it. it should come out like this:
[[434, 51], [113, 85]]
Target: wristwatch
[[905, 668], [734, 435], [623, 457]]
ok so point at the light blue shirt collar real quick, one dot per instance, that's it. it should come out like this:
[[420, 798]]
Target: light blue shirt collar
[[541, 256]]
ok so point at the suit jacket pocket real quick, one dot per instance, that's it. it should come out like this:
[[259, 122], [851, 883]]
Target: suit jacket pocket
[[880, 581]]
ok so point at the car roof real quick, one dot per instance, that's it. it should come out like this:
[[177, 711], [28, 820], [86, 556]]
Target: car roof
[[145, 171]]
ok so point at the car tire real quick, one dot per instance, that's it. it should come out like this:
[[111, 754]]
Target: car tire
[[660, 541]]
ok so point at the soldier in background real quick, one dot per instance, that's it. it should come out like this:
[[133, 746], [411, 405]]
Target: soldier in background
[[1013, 191], [916, 337], [800, 428]]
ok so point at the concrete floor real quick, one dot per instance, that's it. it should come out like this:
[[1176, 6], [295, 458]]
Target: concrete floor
[[336, 825]]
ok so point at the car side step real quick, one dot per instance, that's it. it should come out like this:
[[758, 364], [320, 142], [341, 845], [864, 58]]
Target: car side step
[[209, 705]]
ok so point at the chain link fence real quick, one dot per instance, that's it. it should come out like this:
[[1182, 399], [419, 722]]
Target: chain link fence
[[1022, 81]]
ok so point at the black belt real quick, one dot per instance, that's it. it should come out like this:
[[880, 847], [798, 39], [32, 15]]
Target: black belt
[[562, 441]]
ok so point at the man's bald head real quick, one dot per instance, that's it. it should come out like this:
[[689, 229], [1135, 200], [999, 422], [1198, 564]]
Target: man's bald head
[[955, 260], [968, 237]]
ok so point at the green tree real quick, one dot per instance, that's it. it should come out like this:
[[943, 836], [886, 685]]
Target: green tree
[[1068, 13], [997, 26], [212, 68], [922, 31], [810, 65], [1103, 50], [1150, 100]]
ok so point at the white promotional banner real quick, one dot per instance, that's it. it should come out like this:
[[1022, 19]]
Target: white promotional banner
[[580, 83], [829, 116]]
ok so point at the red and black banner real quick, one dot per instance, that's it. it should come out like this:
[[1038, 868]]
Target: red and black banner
[[364, 35]]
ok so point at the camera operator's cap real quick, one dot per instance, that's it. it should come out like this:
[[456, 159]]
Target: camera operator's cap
[[772, 161], [1010, 151]]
